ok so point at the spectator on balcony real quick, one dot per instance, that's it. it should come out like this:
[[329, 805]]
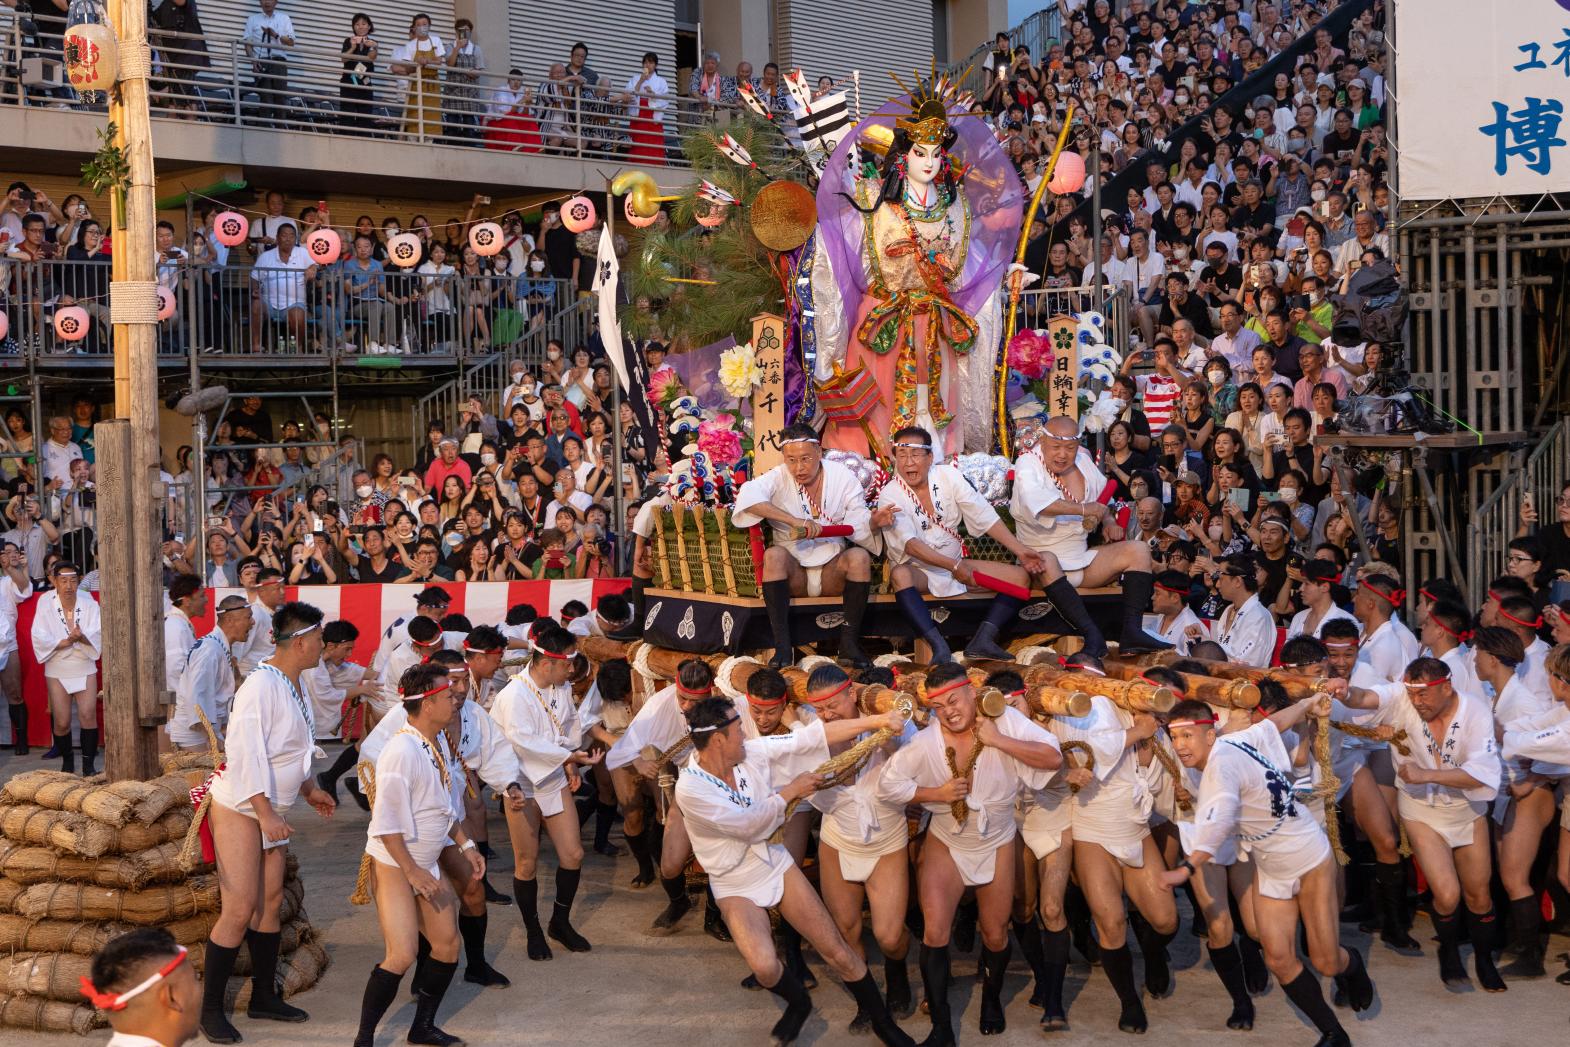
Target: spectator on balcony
[[561, 247], [177, 34], [85, 282], [268, 36], [552, 105], [581, 87], [510, 124], [646, 97], [264, 230], [58, 452], [1365, 235], [419, 59], [447, 463], [464, 102], [437, 289], [535, 289], [172, 263], [707, 84], [30, 533], [364, 285], [771, 90], [356, 93], [278, 290], [730, 86], [478, 294]]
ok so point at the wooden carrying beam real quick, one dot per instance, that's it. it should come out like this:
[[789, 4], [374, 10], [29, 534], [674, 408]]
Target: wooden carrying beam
[[1296, 685], [1239, 693]]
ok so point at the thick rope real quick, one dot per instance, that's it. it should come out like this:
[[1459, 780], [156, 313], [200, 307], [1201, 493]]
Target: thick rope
[[1084, 749], [1397, 741], [722, 676], [1169, 764], [362, 880], [842, 768], [1329, 785], [191, 846]]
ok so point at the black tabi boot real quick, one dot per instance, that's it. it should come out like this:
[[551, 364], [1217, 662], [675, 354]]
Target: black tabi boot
[[1484, 929], [360, 799], [1066, 600], [381, 989], [798, 1005], [561, 928], [713, 919], [1526, 922], [1228, 963], [19, 744], [776, 601], [1119, 965], [935, 979], [870, 1005], [1304, 992], [896, 988], [676, 906], [1137, 587], [1028, 935], [217, 965], [328, 779], [855, 598], [1054, 963], [526, 893], [422, 952], [1158, 967], [994, 965], [67, 754], [1451, 970], [920, 619], [1390, 892], [604, 818], [265, 1001], [639, 846], [1256, 975], [89, 751], [1000, 612], [438, 976], [475, 967], [790, 948], [1354, 983]]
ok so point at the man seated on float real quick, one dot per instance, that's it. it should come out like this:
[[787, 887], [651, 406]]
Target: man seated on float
[[920, 512], [1056, 504], [814, 506]]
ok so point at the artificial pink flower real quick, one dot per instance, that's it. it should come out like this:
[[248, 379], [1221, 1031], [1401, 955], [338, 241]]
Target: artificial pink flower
[[721, 443], [1030, 353], [663, 386]]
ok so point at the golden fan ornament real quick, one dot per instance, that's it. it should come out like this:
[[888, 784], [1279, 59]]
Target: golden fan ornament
[[783, 215]]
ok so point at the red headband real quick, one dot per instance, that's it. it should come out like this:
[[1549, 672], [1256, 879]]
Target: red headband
[[767, 703], [706, 692], [1431, 683], [1019, 693], [1536, 623], [831, 694], [112, 1001], [1176, 690], [1463, 636], [1190, 723], [549, 654], [425, 694], [946, 688], [1395, 597], [1431, 596], [1169, 589]]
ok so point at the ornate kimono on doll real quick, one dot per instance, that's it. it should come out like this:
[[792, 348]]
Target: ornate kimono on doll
[[907, 275]]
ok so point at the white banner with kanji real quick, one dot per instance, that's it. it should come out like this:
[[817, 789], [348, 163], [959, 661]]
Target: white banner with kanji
[[1482, 86]]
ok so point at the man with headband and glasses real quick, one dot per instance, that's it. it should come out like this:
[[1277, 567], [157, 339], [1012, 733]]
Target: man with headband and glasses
[[920, 512], [1246, 799], [660, 725], [267, 766], [1059, 497], [814, 506], [144, 983], [1246, 630], [733, 794], [1446, 782], [210, 677]]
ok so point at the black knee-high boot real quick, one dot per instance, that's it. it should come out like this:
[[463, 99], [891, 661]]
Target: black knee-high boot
[[855, 598], [1000, 612], [561, 927], [1077, 910], [526, 894], [677, 904], [1158, 969], [217, 965], [915, 611], [896, 987], [935, 978], [870, 1004], [604, 818], [639, 846], [790, 947], [1256, 974], [1066, 600], [476, 968], [1054, 963], [89, 751], [1137, 587], [381, 989], [66, 752], [1448, 929], [1119, 965], [1526, 922], [1304, 991], [19, 744], [713, 920], [1029, 937], [1228, 962], [1390, 891], [437, 977], [776, 601], [422, 952], [994, 964], [1354, 982], [345, 763], [798, 1005], [265, 1001], [1483, 928]]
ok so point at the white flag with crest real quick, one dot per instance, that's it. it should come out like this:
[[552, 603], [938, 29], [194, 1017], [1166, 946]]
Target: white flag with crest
[[607, 275]]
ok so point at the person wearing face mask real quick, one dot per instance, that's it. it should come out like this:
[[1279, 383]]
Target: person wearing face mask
[[462, 103], [419, 58], [520, 383], [535, 288]]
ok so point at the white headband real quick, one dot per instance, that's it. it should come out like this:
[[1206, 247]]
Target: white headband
[[800, 440]]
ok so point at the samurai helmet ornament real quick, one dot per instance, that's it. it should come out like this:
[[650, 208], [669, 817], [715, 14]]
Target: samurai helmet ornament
[[927, 122]]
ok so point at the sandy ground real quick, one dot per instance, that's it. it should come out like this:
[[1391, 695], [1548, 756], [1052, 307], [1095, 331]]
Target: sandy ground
[[683, 991]]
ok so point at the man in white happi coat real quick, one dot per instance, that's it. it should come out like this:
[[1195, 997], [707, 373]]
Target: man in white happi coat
[[431, 602], [1445, 785], [210, 677], [660, 726], [1246, 629], [537, 714], [1320, 578], [1173, 614], [1246, 804], [1446, 633], [15, 587], [187, 600], [814, 506], [612, 616], [733, 794], [267, 595], [1547, 742], [1059, 497], [424, 638], [967, 769], [920, 512]]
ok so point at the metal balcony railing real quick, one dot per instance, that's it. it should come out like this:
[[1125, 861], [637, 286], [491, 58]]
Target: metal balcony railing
[[318, 92], [326, 310]]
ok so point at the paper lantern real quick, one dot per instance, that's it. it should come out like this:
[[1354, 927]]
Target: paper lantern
[[72, 322], [578, 214], [230, 228], [486, 239], [713, 217], [638, 221], [324, 246], [91, 56], [404, 250], [165, 303], [1069, 174]]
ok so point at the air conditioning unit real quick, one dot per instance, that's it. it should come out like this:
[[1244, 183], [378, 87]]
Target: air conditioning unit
[[42, 71]]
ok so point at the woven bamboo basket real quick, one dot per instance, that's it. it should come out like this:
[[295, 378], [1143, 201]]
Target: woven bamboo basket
[[30, 865], [113, 803], [80, 835], [31, 1012], [698, 549], [145, 908]]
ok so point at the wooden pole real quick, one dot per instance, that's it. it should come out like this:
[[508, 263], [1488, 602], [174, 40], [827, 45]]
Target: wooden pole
[[129, 521]]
